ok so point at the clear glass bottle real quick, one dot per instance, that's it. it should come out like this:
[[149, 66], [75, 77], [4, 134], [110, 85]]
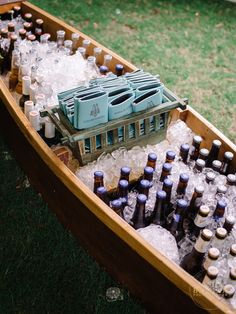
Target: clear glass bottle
[[231, 257], [60, 38], [75, 40], [97, 52], [107, 61], [210, 177], [228, 292]]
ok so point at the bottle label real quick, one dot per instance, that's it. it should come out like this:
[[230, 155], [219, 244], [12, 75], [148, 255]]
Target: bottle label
[[201, 245], [200, 221]]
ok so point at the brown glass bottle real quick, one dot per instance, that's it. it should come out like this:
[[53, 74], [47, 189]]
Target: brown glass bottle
[[184, 151], [176, 224], [167, 187], [116, 205], [122, 191], [182, 185], [125, 173], [98, 180], [219, 210], [195, 148], [214, 152], [192, 262], [199, 165], [166, 170], [195, 203], [119, 69], [102, 194], [38, 31], [225, 167], [139, 220], [144, 186], [148, 174], [158, 214], [203, 154], [8, 59], [25, 91], [151, 162]]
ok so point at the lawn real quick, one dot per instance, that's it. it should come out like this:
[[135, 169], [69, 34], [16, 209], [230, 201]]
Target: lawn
[[192, 45]]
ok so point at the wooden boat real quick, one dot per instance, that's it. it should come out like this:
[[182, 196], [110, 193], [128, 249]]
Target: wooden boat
[[154, 279]]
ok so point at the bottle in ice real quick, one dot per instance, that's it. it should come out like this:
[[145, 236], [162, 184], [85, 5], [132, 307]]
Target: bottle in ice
[[231, 257], [116, 205], [102, 194], [199, 165], [228, 292], [183, 154], [182, 185], [98, 180], [211, 259], [210, 277], [192, 262], [231, 180], [26, 81], [38, 31], [195, 148], [166, 171], [203, 154], [148, 174], [122, 192], [125, 173], [170, 156], [144, 186], [200, 222], [226, 163], [139, 219], [219, 211], [214, 152], [176, 225], [216, 165], [158, 216], [210, 177], [219, 238], [151, 162], [195, 202]]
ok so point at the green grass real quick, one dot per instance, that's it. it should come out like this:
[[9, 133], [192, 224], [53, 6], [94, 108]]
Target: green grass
[[192, 45]]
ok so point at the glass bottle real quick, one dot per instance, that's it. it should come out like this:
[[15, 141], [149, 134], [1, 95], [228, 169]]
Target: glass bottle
[[231, 179], [98, 180], [102, 194], [229, 223], [25, 90], [60, 37], [199, 165], [219, 238], [216, 165], [219, 211], [225, 167], [122, 192], [210, 260], [75, 40], [97, 52], [158, 214], [151, 162], [166, 171], [86, 43], [49, 132], [68, 45], [125, 173], [230, 239], [107, 61], [13, 39], [210, 177], [220, 192], [176, 225], [38, 31], [11, 29], [17, 13], [170, 156], [116, 205], [119, 69], [148, 175], [139, 219], [184, 151], [196, 202], [182, 185], [144, 187], [232, 277], [28, 18], [200, 222], [22, 33], [195, 148], [28, 106], [13, 78], [214, 152], [203, 154], [192, 262], [82, 51], [167, 187], [28, 28], [228, 292], [210, 277]]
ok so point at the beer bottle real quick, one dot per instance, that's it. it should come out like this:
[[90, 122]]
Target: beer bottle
[[210, 177], [122, 192], [192, 262], [211, 260], [216, 165], [13, 78], [11, 29], [17, 12], [210, 277], [151, 162], [228, 226], [125, 173], [75, 39], [203, 154], [116, 205], [28, 18], [232, 276], [228, 292], [176, 224], [214, 152], [221, 190], [138, 219], [195, 202], [97, 51], [167, 187], [229, 223], [34, 120], [119, 69], [98, 180], [25, 89], [182, 185], [170, 156], [144, 187], [86, 43], [22, 33], [231, 257], [60, 37], [199, 165], [225, 167], [13, 39], [200, 222], [166, 170], [50, 132], [38, 31], [148, 174], [28, 28], [102, 194], [184, 150], [159, 215], [219, 238], [195, 148], [219, 210], [107, 61]]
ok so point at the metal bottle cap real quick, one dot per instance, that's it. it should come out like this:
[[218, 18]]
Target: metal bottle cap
[[204, 210], [98, 174], [125, 170], [212, 271], [170, 154], [228, 291], [221, 233], [221, 189], [210, 176], [200, 163], [116, 204], [148, 170], [197, 139], [231, 178], [182, 204], [144, 184], [101, 190], [184, 177], [123, 184], [161, 195], [228, 155], [141, 198], [167, 167], [152, 157], [167, 183], [199, 189], [184, 147], [213, 253], [204, 152], [221, 204], [233, 273], [233, 249], [217, 143], [216, 164], [206, 234]]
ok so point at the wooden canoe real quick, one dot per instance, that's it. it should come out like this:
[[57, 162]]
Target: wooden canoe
[[155, 280]]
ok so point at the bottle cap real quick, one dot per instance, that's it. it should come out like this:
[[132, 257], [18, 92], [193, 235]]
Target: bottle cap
[[97, 50], [230, 220], [107, 57], [228, 291], [125, 170], [228, 155], [123, 184], [39, 22], [210, 176], [75, 36], [221, 233], [116, 204], [184, 147], [141, 198], [184, 177], [11, 25], [216, 164], [233, 273], [152, 157], [213, 253], [204, 210], [144, 184], [119, 67], [217, 143], [101, 190], [31, 37], [61, 33], [17, 8], [167, 167], [221, 204], [221, 189], [200, 163], [148, 170], [28, 16], [167, 183], [212, 272], [22, 31], [206, 234], [181, 203], [4, 31], [231, 178], [13, 37], [197, 139], [103, 69], [86, 42], [233, 249], [170, 154], [161, 195], [204, 152], [199, 189], [99, 174]]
